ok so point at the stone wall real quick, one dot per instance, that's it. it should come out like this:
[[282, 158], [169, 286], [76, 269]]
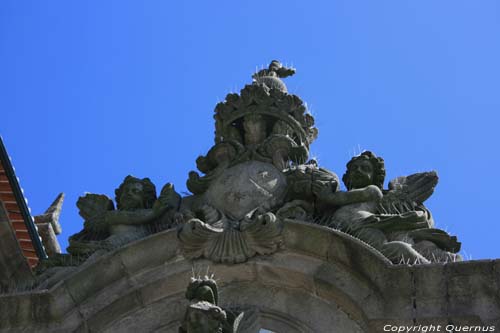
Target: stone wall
[[323, 281]]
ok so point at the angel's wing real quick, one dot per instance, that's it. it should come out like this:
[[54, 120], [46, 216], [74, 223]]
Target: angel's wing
[[93, 205], [417, 187], [406, 193]]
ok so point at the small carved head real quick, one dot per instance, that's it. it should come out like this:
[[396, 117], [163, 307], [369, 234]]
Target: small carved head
[[363, 170], [202, 289], [255, 128], [135, 193]]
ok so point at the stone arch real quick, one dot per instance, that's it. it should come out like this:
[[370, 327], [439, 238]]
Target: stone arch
[[321, 279]]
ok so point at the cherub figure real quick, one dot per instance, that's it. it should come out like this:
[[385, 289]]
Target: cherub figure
[[363, 179], [138, 208], [389, 220]]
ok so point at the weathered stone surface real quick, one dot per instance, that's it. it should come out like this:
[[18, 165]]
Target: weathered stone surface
[[231, 241], [140, 213], [52, 214], [139, 256], [393, 221], [430, 290], [94, 277], [49, 238], [109, 295], [14, 268], [246, 186], [472, 289]]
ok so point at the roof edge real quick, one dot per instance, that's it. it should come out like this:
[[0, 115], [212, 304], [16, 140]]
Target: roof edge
[[18, 194]]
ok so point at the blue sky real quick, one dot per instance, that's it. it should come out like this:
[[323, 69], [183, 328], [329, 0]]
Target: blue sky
[[93, 91]]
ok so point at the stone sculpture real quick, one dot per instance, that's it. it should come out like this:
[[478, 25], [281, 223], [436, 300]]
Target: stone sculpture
[[394, 221], [138, 212], [256, 178], [259, 133], [204, 315]]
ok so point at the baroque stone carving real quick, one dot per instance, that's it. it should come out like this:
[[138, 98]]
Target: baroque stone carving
[[259, 134], [256, 178], [204, 315], [394, 221], [138, 213]]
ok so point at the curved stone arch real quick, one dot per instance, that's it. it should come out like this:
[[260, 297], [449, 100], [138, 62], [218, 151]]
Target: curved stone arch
[[143, 284], [279, 322], [288, 310]]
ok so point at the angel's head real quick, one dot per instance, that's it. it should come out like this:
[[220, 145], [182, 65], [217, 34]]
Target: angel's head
[[363, 170], [135, 193]]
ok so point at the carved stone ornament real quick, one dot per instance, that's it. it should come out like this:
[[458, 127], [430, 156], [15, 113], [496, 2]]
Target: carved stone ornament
[[235, 222], [393, 221], [255, 179], [259, 134], [204, 315], [140, 213]]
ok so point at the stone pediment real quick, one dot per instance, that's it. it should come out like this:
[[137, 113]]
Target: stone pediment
[[322, 279]]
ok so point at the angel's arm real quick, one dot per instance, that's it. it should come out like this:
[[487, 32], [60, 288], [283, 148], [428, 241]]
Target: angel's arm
[[366, 194], [140, 216]]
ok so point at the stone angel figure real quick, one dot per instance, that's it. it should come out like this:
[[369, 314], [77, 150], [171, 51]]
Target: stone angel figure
[[393, 221], [139, 212]]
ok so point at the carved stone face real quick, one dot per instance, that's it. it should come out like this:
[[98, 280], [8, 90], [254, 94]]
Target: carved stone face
[[360, 174], [255, 130], [132, 196]]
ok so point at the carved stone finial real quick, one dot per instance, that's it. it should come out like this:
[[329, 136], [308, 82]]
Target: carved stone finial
[[271, 77], [48, 226], [52, 214]]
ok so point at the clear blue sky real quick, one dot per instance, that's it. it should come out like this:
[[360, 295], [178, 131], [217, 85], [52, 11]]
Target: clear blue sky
[[91, 91]]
